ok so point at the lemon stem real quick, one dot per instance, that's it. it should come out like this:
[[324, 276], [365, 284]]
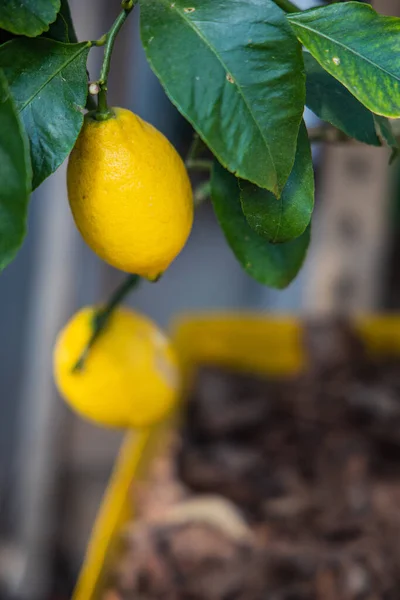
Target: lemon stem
[[287, 6], [103, 315], [103, 112]]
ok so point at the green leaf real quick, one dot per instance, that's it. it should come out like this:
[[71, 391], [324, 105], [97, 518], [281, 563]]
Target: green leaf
[[283, 219], [274, 265], [63, 29], [28, 17], [5, 36], [358, 47], [49, 84], [332, 102], [15, 177], [234, 69], [385, 130]]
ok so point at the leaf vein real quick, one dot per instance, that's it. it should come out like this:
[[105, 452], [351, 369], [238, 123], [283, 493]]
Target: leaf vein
[[212, 49], [57, 72], [347, 48]]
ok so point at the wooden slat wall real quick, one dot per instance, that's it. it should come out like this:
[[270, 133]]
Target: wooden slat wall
[[346, 270]]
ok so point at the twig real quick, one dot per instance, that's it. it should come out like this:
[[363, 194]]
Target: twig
[[103, 112], [102, 316], [287, 6]]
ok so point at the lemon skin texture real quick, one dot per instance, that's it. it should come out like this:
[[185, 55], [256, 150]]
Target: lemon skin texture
[[129, 193], [130, 377]]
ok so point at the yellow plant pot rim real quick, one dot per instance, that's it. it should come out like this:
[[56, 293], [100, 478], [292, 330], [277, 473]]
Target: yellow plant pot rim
[[255, 342]]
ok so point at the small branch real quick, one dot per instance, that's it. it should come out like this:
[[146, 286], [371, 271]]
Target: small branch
[[103, 112], [199, 164], [202, 193], [196, 147], [193, 162], [111, 37], [103, 315], [287, 6]]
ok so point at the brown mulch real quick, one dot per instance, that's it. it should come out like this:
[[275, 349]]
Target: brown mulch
[[277, 490]]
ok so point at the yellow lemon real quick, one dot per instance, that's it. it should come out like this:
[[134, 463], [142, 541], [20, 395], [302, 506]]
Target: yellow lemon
[[130, 193], [130, 377]]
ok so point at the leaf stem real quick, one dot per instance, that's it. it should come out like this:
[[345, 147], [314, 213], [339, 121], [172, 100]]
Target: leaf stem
[[196, 147], [199, 164], [287, 6], [103, 112], [327, 133], [103, 315], [202, 193]]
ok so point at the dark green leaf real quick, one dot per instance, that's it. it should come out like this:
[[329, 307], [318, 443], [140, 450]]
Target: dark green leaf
[[63, 29], [15, 177], [332, 102], [49, 84], [5, 36], [274, 265], [358, 47], [235, 71], [283, 219], [386, 133], [28, 17]]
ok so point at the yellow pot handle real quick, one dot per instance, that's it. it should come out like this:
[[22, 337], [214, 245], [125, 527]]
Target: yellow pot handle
[[137, 449]]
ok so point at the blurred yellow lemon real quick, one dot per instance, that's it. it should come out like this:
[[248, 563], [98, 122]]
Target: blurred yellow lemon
[[130, 377], [129, 193]]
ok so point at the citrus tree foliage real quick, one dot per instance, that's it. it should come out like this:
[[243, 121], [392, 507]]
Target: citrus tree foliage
[[241, 72]]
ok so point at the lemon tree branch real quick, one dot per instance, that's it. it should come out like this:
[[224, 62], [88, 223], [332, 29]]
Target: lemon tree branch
[[196, 147], [199, 164], [192, 161], [103, 315], [103, 112]]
